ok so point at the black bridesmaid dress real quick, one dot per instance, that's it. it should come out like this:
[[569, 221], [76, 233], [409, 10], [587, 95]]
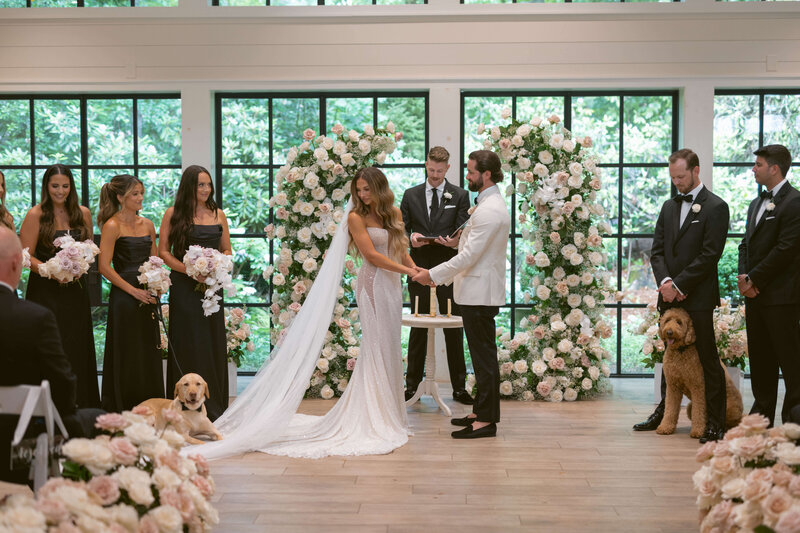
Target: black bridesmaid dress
[[132, 368], [198, 340], [70, 304]]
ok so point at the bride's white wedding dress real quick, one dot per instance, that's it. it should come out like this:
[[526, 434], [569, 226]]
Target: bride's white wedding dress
[[370, 417]]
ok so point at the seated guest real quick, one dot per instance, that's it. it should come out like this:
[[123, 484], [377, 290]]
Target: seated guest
[[31, 351]]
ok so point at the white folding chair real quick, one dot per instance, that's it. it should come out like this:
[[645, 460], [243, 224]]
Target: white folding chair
[[28, 401]]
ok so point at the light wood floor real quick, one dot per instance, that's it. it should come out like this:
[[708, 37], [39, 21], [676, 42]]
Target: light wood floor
[[552, 467]]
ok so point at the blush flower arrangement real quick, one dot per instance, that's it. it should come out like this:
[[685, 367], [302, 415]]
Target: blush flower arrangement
[[130, 479], [71, 262], [558, 353], [313, 187], [750, 480], [154, 276], [237, 334]]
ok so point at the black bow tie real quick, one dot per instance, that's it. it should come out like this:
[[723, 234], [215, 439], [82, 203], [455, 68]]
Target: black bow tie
[[765, 195], [684, 198]]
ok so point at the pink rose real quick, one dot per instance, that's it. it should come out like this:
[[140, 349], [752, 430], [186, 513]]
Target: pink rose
[[724, 464], [543, 388], [705, 452], [201, 463], [53, 510], [124, 452], [587, 142], [111, 422], [141, 411], [308, 134], [295, 307], [789, 521], [539, 332], [504, 144], [275, 308], [172, 416], [148, 524], [777, 502], [749, 448], [283, 269], [557, 363], [203, 485], [719, 518], [734, 433], [554, 119], [299, 287], [65, 527], [351, 364], [337, 129], [754, 422], [105, 488], [398, 136], [794, 486], [756, 490], [530, 259], [282, 214], [595, 184], [172, 460]]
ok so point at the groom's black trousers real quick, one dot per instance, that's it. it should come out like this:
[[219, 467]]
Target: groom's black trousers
[[479, 329]]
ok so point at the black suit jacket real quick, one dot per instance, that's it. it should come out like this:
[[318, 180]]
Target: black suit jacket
[[452, 213], [689, 254], [770, 250], [30, 350]]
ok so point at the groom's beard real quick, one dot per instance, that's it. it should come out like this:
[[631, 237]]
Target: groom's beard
[[475, 186]]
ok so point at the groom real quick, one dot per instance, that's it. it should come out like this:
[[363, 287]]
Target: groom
[[478, 273]]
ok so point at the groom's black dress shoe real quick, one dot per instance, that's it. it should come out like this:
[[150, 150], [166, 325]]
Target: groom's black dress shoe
[[410, 394], [469, 433], [652, 421], [466, 421], [463, 396], [713, 433]]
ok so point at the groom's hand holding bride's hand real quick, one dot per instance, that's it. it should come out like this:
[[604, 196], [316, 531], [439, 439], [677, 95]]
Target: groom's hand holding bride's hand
[[423, 277]]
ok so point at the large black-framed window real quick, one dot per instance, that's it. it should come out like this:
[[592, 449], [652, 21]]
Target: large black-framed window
[[561, 1], [88, 3], [97, 136], [253, 132], [634, 132], [745, 119], [239, 3]]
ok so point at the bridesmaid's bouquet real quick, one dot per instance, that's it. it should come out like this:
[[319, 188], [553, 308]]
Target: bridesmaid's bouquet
[[71, 262], [154, 276], [213, 270]]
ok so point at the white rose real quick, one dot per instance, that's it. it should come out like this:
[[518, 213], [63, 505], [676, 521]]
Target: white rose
[[342, 385], [505, 113], [587, 384], [368, 129], [574, 300], [568, 145], [540, 170], [506, 389], [165, 478], [520, 366], [278, 279], [168, 518], [326, 392], [576, 259], [539, 367], [589, 301], [523, 163], [542, 292], [140, 433], [570, 394], [311, 180], [93, 454], [348, 160], [541, 260], [364, 146], [557, 141], [352, 135], [304, 235], [555, 396], [137, 483], [545, 157], [321, 154], [310, 265], [574, 181], [517, 141], [495, 133], [594, 372], [565, 345]]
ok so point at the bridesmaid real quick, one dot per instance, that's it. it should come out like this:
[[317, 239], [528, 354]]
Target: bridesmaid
[[5, 217], [198, 341], [132, 369], [56, 215]]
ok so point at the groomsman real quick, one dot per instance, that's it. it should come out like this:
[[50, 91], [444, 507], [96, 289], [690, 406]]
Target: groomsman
[[436, 208], [769, 277], [687, 245], [478, 274]]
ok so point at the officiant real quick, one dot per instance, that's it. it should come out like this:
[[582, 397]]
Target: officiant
[[433, 212]]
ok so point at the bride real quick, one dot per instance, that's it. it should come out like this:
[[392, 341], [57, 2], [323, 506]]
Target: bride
[[370, 417]]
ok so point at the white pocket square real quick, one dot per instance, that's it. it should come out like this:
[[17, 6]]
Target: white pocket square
[[769, 218], [449, 207], [695, 221]]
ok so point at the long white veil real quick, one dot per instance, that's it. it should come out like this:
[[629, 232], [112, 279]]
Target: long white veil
[[263, 411]]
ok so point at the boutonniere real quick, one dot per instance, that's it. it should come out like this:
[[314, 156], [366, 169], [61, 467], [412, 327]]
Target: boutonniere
[[696, 208], [447, 196], [771, 206]]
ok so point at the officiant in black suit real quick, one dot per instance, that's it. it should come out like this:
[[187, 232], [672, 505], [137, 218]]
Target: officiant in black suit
[[31, 351], [688, 243], [436, 208], [769, 277]]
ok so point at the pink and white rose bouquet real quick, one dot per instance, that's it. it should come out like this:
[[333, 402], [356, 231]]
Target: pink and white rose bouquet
[[212, 269], [154, 276], [71, 262]]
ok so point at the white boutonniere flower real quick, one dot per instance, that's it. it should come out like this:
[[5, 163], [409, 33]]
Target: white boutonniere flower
[[447, 196], [771, 206], [696, 208]]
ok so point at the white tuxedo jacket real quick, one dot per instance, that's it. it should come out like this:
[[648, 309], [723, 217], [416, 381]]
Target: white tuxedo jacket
[[478, 272]]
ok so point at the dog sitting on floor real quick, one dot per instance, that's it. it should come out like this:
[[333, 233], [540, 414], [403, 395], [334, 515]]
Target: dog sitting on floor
[[187, 413], [684, 375]]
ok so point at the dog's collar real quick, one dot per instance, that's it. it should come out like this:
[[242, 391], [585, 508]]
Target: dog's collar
[[184, 408]]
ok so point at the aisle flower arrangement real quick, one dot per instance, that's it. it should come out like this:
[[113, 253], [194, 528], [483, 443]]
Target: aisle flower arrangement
[[214, 268], [237, 335], [130, 479], [71, 262], [750, 480], [312, 191], [558, 354], [730, 331]]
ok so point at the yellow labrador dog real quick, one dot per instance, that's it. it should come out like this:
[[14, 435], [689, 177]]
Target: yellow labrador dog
[[191, 392]]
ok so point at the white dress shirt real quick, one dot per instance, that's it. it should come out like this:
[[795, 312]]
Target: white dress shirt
[[685, 207], [429, 193], [763, 207]]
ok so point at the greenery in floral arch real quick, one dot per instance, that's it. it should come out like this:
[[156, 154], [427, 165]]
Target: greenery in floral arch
[[557, 355], [309, 204]]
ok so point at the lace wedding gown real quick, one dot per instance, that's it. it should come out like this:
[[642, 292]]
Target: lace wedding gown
[[370, 417]]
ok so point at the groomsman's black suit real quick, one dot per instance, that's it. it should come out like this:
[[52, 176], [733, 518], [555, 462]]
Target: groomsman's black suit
[[451, 214], [770, 254], [689, 254], [31, 351]]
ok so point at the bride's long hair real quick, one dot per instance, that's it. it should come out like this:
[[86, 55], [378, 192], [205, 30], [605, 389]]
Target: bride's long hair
[[383, 201]]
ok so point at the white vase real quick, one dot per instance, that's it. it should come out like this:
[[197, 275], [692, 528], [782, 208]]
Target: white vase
[[657, 385], [232, 379], [736, 375]]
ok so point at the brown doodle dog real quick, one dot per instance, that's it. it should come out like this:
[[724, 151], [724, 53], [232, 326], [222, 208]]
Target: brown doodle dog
[[684, 376], [191, 392]]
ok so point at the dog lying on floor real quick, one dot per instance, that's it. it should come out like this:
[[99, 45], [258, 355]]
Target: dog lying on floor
[[190, 394], [684, 375]]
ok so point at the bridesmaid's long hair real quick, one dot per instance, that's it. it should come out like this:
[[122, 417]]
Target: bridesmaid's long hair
[[4, 214], [383, 201], [119, 185], [182, 221], [47, 223]]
